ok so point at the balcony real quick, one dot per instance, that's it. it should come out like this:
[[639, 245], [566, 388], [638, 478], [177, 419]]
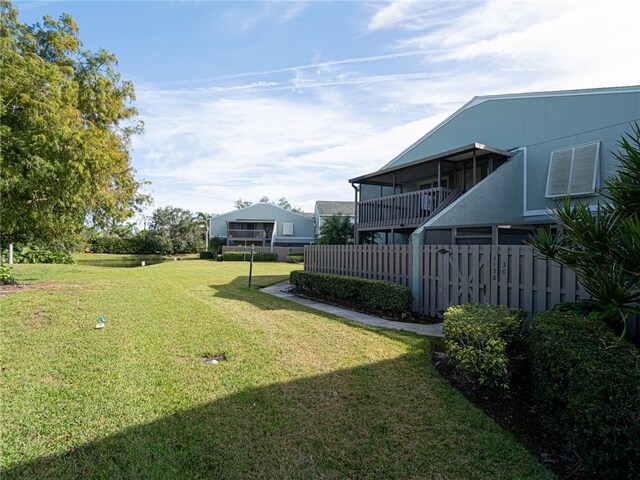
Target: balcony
[[406, 210], [235, 234]]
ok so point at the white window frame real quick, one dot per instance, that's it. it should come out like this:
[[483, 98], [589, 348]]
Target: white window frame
[[287, 229], [596, 172]]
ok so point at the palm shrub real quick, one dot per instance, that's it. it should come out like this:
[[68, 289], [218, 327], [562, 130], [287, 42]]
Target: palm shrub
[[603, 247], [336, 230]]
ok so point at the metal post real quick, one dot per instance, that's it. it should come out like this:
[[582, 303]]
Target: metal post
[[474, 167], [251, 266], [356, 216], [11, 254]]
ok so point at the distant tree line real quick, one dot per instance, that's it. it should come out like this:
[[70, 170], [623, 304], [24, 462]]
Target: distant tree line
[[282, 203]]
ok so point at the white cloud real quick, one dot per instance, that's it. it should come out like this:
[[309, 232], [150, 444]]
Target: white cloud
[[302, 132]]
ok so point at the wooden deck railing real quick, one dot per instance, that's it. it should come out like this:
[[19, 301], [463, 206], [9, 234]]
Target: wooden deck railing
[[406, 210], [246, 234]]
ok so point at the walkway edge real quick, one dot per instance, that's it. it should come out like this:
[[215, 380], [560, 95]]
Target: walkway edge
[[281, 290]]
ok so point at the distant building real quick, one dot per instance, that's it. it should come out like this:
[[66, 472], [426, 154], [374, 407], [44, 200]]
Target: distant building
[[263, 224], [325, 209]]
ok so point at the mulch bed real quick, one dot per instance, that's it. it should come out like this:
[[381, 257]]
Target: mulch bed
[[515, 411], [408, 317]]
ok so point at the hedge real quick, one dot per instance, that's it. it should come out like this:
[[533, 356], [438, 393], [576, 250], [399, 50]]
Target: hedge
[[31, 253], [587, 383], [124, 246], [376, 294], [295, 258], [477, 338], [142, 245], [245, 256], [206, 255]]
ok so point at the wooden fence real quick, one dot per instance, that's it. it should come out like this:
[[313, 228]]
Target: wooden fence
[[445, 275], [375, 262], [508, 275], [281, 251], [455, 274]]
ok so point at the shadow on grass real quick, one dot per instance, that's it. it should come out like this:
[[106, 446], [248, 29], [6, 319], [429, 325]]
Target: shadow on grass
[[238, 289], [391, 419]]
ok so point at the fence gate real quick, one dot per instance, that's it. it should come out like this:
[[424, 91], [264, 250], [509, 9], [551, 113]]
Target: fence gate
[[508, 275]]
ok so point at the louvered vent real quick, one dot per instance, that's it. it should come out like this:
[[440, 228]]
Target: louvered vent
[[573, 171], [287, 228]]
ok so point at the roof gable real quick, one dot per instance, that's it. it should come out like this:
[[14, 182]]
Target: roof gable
[[515, 120]]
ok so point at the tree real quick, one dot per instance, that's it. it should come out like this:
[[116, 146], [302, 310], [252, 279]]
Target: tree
[[66, 121], [239, 203], [202, 219], [174, 229], [604, 248], [216, 244], [336, 230], [284, 203]]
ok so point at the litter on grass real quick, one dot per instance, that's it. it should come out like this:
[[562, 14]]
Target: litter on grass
[[213, 359]]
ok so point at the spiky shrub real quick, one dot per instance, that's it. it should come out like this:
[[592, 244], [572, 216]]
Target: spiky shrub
[[477, 338], [603, 248]]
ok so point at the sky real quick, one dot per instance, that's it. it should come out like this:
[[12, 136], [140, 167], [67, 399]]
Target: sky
[[252, 99]]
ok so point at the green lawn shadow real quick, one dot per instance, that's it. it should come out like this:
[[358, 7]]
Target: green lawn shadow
[[373, 421]]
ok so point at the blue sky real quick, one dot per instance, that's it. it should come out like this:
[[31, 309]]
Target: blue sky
[[245, 99]]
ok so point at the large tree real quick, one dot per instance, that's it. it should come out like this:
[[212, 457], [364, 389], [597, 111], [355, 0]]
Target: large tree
[[66, 123]]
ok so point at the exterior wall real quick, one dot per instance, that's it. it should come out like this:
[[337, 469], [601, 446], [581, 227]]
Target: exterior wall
[[539, 124], [519, 120], [496, 199], [531, 126], [303, 227]]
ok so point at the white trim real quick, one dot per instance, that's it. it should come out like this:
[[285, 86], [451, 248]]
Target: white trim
[[596, 171]]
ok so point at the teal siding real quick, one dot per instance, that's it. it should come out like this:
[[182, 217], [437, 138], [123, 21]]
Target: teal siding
[[303, 227], [538, 124]]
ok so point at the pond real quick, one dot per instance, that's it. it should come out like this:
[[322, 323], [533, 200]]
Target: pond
[[121, 262]]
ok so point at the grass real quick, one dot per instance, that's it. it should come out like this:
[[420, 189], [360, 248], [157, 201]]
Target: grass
[[302, 395]]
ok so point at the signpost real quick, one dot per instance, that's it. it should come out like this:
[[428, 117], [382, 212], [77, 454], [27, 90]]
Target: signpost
[[251, 265]]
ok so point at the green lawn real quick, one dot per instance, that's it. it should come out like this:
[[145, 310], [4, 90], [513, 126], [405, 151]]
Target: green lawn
[[302, 395]]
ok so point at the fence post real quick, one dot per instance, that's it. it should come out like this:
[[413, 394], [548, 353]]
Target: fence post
[[416, 249]]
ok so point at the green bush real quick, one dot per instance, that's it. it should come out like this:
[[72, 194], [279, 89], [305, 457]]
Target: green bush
[[477, 339], [142, 244], [219, 257], [377, 294], [587, 382], [295, 258], [6, 277], [206, 255], [38, 254], [245, 256]]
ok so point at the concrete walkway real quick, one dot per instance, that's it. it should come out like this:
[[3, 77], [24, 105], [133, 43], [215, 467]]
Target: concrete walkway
[[281, 290]]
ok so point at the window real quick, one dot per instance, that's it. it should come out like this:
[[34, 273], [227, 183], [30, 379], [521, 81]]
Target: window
[[573, 171], [287, 229]]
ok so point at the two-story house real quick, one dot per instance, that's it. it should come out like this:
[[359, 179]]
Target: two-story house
[[494, 169], [263, 224]]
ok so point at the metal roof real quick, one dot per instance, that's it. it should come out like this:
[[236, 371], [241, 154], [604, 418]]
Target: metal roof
[[456, 155], [325, 207]]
